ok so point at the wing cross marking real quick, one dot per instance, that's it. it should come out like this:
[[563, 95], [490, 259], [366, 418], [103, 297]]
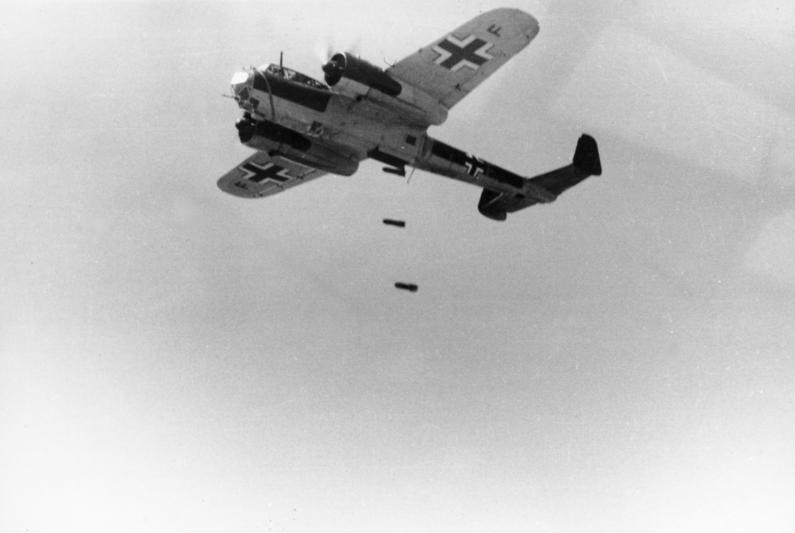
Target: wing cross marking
[[267, 172], [455, 54]]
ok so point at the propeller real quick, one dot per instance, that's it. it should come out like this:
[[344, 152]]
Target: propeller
[[324, 49], [334, 68], [355, 48]]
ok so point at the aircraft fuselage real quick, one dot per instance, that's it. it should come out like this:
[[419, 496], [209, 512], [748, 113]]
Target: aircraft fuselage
[[337, 130]]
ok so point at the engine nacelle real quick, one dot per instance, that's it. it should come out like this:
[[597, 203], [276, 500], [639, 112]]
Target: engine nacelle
[[347, 68], [279, 141], [358, 78], [251, 131]]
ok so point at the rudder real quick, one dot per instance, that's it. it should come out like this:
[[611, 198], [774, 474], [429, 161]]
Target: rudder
[[586, 156]]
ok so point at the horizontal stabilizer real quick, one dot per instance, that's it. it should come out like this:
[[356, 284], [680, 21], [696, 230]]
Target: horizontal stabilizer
[[545, 187], [584, 163], [493, 206]]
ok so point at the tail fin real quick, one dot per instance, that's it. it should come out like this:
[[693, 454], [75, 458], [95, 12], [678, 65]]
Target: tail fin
[[586, 156], [545, 187], [585, 163]]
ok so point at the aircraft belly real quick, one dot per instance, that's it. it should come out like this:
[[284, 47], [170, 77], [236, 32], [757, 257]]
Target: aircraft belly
[[362, 119], [447, 169], [446, 160], [287, 112], [357, 125], [369, 126]]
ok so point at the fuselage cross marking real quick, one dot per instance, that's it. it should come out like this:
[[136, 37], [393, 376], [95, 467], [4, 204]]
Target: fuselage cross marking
[[475, 166]]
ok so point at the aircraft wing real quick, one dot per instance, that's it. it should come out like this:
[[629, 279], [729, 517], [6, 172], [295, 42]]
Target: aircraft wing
[[261, 175], [451, 66]]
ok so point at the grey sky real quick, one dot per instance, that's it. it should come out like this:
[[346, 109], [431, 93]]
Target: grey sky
[[175, 358]]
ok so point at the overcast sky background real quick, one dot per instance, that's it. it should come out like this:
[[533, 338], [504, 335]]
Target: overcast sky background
[[174, 358]]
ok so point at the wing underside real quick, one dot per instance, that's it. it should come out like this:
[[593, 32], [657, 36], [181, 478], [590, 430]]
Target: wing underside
[[452, 66], [262, 175]]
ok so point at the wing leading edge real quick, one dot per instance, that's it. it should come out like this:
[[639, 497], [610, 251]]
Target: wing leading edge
[[449, 68]]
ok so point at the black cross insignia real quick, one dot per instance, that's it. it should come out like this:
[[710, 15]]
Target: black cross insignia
[[455, 54], [271, 172], [475, 166]]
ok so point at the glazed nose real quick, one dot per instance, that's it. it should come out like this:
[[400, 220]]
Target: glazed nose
[[240, 81]]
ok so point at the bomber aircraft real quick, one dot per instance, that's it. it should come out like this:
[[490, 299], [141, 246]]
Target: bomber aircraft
[[303, 128]]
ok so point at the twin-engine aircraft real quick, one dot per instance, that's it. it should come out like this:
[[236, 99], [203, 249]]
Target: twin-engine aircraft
[[303, 129]]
